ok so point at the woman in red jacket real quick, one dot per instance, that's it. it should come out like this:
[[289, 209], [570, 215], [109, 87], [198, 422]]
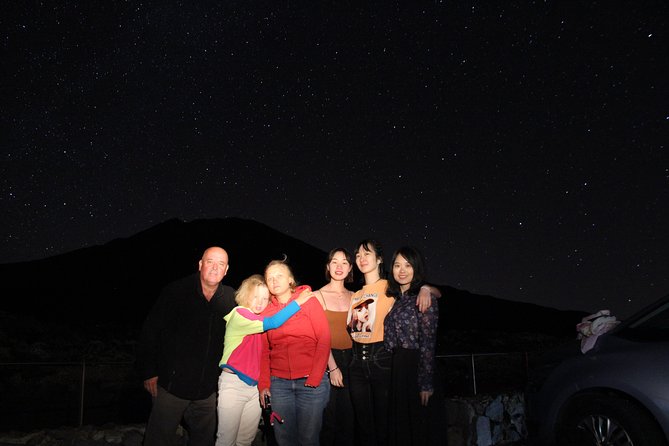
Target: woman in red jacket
[[293, 361]]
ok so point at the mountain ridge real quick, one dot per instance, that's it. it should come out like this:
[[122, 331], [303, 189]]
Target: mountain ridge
[[120, 280]]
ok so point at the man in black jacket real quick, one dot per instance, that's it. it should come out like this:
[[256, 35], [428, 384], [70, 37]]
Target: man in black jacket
[[180, 346]]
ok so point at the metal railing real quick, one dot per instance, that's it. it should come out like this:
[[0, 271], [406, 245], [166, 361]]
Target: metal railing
[[473, 373], [40, 394], [50, 394]]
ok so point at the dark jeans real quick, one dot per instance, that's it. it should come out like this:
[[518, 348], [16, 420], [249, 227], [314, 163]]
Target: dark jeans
[[338, 419], [369, 375]]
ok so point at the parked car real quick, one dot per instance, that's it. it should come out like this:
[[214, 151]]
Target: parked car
[[615, 394]]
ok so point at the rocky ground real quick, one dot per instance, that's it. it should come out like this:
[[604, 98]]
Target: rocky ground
[[130, 435], [110, 434], [483, 420]]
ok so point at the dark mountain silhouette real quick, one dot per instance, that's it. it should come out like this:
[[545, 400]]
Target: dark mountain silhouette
[[119, 281]]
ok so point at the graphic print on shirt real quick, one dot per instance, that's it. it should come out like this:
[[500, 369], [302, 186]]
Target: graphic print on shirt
[[362, 316]]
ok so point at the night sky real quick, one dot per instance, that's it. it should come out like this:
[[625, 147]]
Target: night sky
[[520, 145]]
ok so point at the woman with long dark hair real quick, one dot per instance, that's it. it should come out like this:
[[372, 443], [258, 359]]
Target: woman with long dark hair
[[411, 338], [338, 424], [370, 369]]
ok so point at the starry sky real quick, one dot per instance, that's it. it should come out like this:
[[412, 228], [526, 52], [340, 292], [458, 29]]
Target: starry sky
[[520, 145]]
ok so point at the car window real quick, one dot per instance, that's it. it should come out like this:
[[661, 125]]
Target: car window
[[654, 326]]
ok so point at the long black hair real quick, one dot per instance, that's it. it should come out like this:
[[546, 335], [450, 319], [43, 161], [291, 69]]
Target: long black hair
[[415, 259]]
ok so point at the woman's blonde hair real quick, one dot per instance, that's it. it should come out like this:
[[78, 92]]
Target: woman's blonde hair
[[246, 291], [284, 262]]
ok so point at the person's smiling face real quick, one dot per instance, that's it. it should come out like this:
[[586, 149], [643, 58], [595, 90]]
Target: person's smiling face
[[367, 261], [403, 272], [339, 268], [213, 266]]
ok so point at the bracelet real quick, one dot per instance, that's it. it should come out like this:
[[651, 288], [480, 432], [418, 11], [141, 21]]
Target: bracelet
[[426, 287], [330, 371]]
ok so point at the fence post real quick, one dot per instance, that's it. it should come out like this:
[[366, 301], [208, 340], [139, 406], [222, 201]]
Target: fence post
[[527, 366], [474, 374], [81, 399]]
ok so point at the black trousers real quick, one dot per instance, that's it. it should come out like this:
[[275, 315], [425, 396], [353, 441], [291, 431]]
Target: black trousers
[[338, 417], [369, 375], [408, 418]]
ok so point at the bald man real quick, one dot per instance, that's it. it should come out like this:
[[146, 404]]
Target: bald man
[[179, 349]]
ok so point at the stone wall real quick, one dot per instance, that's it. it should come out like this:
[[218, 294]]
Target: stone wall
[[486, 420]]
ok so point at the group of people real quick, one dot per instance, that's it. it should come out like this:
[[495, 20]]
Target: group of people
[[336, 366]]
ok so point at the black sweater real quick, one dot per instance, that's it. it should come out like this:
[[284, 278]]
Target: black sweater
[[182, 338]]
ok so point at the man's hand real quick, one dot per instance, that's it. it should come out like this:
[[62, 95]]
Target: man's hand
[[151, 386]]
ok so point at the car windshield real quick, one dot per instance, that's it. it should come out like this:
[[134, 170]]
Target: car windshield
[[653, 326]]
